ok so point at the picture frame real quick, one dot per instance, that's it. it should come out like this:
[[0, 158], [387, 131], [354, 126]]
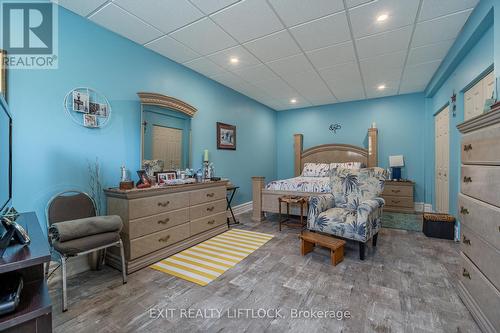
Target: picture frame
[[90, 120], [81, 101], [164, 176], [226, 136], [3, 74]]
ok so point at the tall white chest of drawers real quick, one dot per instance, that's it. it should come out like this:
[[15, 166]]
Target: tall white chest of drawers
[[479, 213]]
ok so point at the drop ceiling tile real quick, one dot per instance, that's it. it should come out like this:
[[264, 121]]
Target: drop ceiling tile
[[308, 84], [435, 8], [408, 87], [364, 18], [81, 7], [294, 12], [294, 64], [384, 43], [332, 55], [323, 32], [123, 23], [211, 6], [278, 89], [204, 37], [160, 13], [172, 49], [420, 74], [205, 67], [322, 100], [228, 79], [256, 73], [439, 29], [428, 53], [248, 19], [344, 81], [245, 58], [274, 46], [354, 3], [301, 103], [383, 69]]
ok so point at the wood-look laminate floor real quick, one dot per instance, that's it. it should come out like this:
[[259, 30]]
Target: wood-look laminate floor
[[406, 284]]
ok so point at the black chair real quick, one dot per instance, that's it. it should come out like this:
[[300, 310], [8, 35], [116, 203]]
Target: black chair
[[73, 205]]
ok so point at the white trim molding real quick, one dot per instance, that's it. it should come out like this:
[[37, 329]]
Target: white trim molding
[[242, 208]]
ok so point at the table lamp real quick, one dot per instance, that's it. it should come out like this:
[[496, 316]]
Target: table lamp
[[396, 162]]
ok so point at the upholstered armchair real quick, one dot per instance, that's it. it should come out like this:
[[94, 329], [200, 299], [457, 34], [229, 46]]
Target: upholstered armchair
[[353, 210]]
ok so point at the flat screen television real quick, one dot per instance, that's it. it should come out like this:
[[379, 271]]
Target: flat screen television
[[5, 154]]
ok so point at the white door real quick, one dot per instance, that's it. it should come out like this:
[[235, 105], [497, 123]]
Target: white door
[[442, 142], [167, 146], [489, 85]]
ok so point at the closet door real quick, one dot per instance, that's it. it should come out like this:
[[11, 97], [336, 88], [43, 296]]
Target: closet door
[[442, 160], [489, 85], [468, 104], [478, 99]]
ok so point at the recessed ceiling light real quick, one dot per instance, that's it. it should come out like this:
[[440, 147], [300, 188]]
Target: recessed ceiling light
[[293, 101], [234, 60], [381, 87], [382, 17]]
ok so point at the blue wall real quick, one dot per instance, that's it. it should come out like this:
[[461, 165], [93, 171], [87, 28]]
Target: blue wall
[[399, 119], [51, 151]]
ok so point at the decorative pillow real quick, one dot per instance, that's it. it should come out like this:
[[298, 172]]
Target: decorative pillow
[[351, 187], [316, 170], [346, 165]]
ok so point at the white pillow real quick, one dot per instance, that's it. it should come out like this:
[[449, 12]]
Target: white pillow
[[346, 165], [316, 170]]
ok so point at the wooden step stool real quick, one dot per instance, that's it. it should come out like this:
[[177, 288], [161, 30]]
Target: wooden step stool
[[310, 239]]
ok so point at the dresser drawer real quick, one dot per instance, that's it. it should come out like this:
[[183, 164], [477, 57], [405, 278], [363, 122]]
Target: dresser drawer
[[481, 182], [150, 224], [484, 256], [481, 218], [405, 191], [210, 208], [207, 223], [405, 202], [210, 194], [483, 292], [481, 147], [158, 204], [153, 242]]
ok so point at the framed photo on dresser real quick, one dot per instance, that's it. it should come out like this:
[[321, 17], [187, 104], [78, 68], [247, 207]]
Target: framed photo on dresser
[[226, 136]]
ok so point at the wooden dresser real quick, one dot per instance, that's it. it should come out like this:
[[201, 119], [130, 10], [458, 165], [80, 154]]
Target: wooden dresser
[[159, 222], [479, 214], [398, 196]]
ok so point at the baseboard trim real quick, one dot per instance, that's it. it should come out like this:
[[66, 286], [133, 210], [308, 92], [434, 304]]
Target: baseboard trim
[[423, 207], [242, 208]]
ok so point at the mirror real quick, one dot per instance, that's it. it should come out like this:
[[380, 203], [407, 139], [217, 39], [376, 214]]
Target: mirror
[[165, 132]]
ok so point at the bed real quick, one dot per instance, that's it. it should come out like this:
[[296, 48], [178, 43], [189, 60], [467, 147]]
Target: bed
[[265, 196]]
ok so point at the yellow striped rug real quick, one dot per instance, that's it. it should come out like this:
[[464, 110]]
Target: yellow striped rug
[[206, 261]]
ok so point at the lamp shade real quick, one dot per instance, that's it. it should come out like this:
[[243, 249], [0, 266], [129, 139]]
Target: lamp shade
[[396, 161]]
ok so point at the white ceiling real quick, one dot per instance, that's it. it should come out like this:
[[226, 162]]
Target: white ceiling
[[312, 51]]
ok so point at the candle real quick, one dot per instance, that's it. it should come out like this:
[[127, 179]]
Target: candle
[[205, 156]]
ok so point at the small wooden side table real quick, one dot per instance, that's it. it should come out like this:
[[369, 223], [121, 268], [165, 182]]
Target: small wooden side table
[[303, 202]]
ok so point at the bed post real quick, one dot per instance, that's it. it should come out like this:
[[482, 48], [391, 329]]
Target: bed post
[[372, 147], [297, 148], [257, 186]]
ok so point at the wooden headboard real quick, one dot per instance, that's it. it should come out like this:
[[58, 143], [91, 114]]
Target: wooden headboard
[[336, 153]]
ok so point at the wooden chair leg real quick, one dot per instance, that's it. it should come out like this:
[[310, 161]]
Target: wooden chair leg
[[374, 240], [361, 251]]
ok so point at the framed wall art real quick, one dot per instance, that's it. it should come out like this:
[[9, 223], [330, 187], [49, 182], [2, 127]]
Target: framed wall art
[[226, 136]]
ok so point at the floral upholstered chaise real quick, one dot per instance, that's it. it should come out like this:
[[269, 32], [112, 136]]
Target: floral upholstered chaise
[[353, 210]]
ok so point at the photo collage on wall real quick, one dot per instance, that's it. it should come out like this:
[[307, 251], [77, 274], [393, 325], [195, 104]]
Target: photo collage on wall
[[94, 110]]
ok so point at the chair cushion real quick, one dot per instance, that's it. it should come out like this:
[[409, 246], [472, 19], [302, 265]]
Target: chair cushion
[[83, 244], [350, 187]]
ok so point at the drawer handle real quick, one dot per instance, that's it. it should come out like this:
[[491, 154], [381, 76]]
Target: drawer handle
[[396, 201], [163, 204], [210, 195], [467, 179], [165, 221], [164, 239], [210, 209], [466, 240], [464, 211], [396, 191], [211, 222], [468, 147], [466, 274]]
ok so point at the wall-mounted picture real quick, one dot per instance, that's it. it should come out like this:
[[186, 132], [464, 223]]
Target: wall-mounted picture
[[102, 111], [93, 108], [89, 120], [162, 177], [80, 101], [226, 136]]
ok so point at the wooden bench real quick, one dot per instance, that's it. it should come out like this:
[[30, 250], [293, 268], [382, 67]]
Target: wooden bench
[[310, 239]]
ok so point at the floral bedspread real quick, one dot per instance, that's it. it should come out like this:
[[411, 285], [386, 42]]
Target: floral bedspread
[[302, 184]]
